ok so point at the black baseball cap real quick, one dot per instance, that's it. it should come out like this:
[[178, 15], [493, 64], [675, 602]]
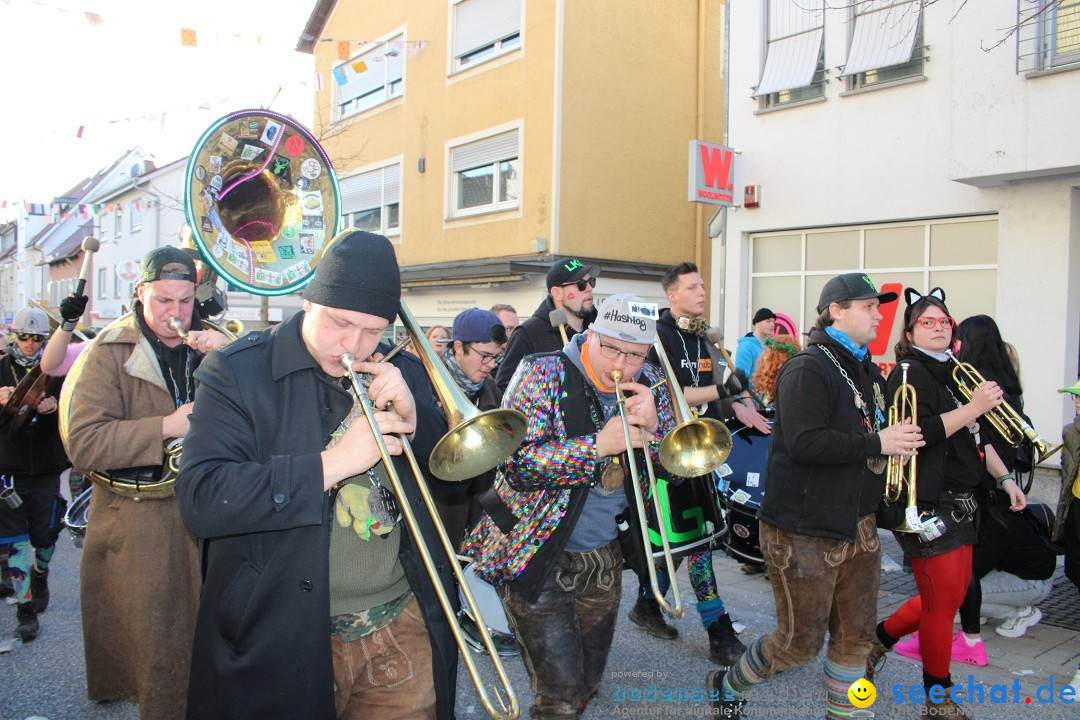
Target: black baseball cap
[[167, 263], [569, 270], [851, 286]]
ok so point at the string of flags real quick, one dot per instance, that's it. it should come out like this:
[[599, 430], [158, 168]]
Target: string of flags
[[83, 210]]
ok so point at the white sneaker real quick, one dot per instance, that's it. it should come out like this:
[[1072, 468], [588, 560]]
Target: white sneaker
[[1015, 627]]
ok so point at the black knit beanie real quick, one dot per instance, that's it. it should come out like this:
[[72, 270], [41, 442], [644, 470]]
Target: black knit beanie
[[358, 271]]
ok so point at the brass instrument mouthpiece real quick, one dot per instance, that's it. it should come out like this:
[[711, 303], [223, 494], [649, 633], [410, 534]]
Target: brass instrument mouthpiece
[[616, 375], [178, 325]]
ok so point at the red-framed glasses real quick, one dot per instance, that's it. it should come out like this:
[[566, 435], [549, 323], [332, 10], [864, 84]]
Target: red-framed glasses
[[930, 322]]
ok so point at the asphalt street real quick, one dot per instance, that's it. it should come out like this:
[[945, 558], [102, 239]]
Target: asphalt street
[[46, 679]]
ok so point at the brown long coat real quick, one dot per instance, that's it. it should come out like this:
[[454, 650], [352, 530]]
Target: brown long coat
[[140, 572]]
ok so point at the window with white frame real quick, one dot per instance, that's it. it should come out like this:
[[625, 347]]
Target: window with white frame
[[103, 227], [886, 42], [1048, 34], [370, 79], [102, 278], [484, 29], [371, 201], [485, 175], [135, 215], [118, 221], [794, 65]]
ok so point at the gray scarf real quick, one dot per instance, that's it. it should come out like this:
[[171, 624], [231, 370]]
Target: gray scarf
[[470, 387]]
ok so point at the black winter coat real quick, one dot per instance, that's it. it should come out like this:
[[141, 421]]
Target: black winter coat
[[250, 487], [819, 483], [535, 335]]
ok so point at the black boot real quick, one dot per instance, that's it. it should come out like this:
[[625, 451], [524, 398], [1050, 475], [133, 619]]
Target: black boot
[[28, 623], [39, 590], [724, 645], [714, 692], [646, 614]]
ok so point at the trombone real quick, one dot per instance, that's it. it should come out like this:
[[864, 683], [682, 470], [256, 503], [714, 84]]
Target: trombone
[[509, 709], [1010, 424], [694, 447], [897, 474]]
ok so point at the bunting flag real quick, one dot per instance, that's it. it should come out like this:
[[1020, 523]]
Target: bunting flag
[[93, 18], [359, 67], [318, 81], [339, 75], [187, 37], [343, 50], [80, 131]]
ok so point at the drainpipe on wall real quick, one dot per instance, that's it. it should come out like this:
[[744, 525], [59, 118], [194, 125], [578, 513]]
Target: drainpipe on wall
[[700, 130]]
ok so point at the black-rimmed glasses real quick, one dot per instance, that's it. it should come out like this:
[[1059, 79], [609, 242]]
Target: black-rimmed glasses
[[582, 284], [27, 336], [612, 353]]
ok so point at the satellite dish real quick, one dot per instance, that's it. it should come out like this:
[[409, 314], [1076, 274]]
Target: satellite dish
[[136, 170]]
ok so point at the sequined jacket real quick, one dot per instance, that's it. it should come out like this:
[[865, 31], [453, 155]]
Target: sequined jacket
[[540, 490]]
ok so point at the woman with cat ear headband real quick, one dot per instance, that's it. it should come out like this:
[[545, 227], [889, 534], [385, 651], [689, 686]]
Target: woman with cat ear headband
[[950, 466]]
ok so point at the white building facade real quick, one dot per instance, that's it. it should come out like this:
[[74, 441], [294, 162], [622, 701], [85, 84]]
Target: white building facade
[[926, 150]]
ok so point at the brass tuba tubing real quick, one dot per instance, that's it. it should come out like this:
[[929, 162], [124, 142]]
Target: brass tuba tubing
[[1010, 424], [675, 608], [900, 475], [510, 709]]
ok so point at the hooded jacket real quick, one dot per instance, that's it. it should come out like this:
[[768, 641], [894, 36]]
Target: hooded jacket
[[535, 335]]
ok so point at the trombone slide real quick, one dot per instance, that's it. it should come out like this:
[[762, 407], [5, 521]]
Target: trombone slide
[[510, 709]]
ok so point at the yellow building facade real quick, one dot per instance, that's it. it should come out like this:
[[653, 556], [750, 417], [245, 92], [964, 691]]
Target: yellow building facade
[[487, 138]]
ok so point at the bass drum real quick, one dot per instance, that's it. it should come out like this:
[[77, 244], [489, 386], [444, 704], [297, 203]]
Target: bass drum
[[694, 514], [78, 515], [490, 606], [744, 480]]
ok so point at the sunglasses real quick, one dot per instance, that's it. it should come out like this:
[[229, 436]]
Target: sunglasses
[[928, 322], [581, 284], [27, 336]]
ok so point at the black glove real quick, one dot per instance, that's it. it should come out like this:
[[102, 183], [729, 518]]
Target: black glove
[[71, 309], [736, 382]]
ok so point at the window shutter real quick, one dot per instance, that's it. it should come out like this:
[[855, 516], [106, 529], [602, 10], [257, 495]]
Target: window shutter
[[884, 35], [485, 152], [478, 23], [795, 33], [361, 192]]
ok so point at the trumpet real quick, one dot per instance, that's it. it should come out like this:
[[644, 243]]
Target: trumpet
[[674, 608], [1008, 423], [508, 709], [897, 474]]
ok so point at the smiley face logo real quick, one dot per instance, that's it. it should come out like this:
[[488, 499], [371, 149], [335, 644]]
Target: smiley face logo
[[862, 693]]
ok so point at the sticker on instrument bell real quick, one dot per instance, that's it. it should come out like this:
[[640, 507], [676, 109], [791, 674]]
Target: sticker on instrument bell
[[724, 470], [383, 506], [295, 272], [911, 514], [269, 135], [215, 185], [264, 252], [206, 226], [249, 128], [303, 183], [753, 479], [307, 244], [295, 145], [268, 277], [286, 252], [215, 164], [228, 144], [217, 251], [282, 170], [311, 203], [740, 496], [311, 168], [288, 232], [250, 152], [237, 256], [312, 222], [200, 172]]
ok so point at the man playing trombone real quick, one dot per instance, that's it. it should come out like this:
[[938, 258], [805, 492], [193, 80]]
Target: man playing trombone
[[314, 604], [549, 537]]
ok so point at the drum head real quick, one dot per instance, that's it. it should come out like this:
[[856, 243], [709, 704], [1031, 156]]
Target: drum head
[[78, 516], [494, 617], [747, 462]]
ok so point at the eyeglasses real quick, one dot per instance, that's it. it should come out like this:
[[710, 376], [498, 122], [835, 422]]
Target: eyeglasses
[[582, 284], [929, 322], [487, 358], [612, 353], [27, 336]]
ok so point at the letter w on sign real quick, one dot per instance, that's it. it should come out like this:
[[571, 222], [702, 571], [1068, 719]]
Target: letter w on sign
[[712, 173]]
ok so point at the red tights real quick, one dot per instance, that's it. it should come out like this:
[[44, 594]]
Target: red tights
[[942, 582]]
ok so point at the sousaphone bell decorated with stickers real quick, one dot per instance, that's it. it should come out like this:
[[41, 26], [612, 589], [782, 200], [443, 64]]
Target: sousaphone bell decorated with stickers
[[262, 201]]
